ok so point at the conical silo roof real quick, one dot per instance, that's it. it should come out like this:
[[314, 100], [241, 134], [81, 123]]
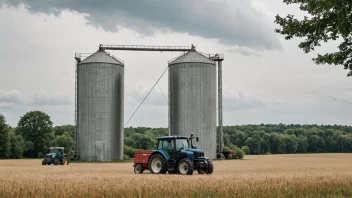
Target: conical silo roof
[[101, 57], [192, 57]]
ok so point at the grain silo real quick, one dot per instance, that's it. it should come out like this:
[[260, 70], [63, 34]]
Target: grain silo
[[100, 104], [192, 99]]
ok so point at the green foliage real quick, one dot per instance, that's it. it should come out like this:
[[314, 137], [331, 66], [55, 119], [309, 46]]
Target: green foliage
[[232, 147], [129, 151], [5, 146], [17, 145], [143, 138], [59, 130], [254, 145], [126, 157], [65, 140], [329, 20], [302, 144], [35, 133], [246, 150], [239, 153], [226, 149], [280, 138], [36, 129]]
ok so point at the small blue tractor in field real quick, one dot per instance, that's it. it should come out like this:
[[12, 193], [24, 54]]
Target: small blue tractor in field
[[56, 156], [175, 155]]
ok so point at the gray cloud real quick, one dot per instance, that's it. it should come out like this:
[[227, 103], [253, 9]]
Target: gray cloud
[[8, 99], [235, 102], [341, 100], [12, 96], [42, 98], [235, 22], [244, 51], [6, 105]]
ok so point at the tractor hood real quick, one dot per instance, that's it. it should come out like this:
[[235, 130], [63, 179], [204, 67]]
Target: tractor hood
[[51, 154], [192, 150]]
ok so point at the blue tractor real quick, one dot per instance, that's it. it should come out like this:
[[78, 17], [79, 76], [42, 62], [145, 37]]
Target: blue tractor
[[178, 155]]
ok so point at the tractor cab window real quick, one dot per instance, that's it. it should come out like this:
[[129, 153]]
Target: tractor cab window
[[181, 143], [167, 145]]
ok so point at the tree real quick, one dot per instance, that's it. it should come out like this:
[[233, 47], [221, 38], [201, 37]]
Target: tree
[[291, 143], [314, 141], [17, 145], [129, 151], [302, 144], [238, 138], [59, 130], [330, 144], [275, 143], [5, 147], [246, 150], [330, 20], [140, 141], [36, 129], [65, 140], [265, 143], [239, 153], [253, 144]]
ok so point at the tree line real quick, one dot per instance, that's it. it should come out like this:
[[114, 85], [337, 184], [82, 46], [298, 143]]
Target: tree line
[[33, 136], [35, 133], [261, 139]]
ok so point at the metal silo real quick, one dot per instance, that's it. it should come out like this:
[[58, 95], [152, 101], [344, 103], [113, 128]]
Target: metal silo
[[100, 104], [192, 99]]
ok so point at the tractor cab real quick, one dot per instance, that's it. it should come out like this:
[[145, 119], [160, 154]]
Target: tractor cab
[[175, 146], [58, 151]]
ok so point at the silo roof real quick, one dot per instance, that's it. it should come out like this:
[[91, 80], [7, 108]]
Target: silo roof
[[192, 57], [101, 57]]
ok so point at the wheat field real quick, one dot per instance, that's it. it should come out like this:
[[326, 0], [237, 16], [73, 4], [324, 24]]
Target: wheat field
[[306, 175]]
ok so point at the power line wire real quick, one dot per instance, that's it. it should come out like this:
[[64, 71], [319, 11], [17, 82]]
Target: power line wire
[[146, 96], [162, 92]]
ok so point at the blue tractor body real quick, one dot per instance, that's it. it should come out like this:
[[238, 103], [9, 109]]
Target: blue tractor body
[[177, 155]]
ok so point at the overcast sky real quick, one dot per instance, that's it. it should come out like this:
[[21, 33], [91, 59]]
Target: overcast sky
[[266, 79]]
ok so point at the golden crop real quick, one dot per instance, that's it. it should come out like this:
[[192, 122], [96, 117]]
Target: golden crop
[[306, 175]]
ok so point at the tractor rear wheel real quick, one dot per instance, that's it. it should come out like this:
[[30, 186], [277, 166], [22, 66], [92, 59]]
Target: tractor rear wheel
[[185, 166], [138, 169], [157, 164], [43, 162]]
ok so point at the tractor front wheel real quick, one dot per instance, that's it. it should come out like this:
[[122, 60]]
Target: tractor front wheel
[[138, 169], [185, 166], [44, 162], [56, 162], [157, 164], [208, 168]]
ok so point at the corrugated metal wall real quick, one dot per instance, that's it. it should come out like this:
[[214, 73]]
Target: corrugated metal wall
[[101, 108], [192, 98]]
